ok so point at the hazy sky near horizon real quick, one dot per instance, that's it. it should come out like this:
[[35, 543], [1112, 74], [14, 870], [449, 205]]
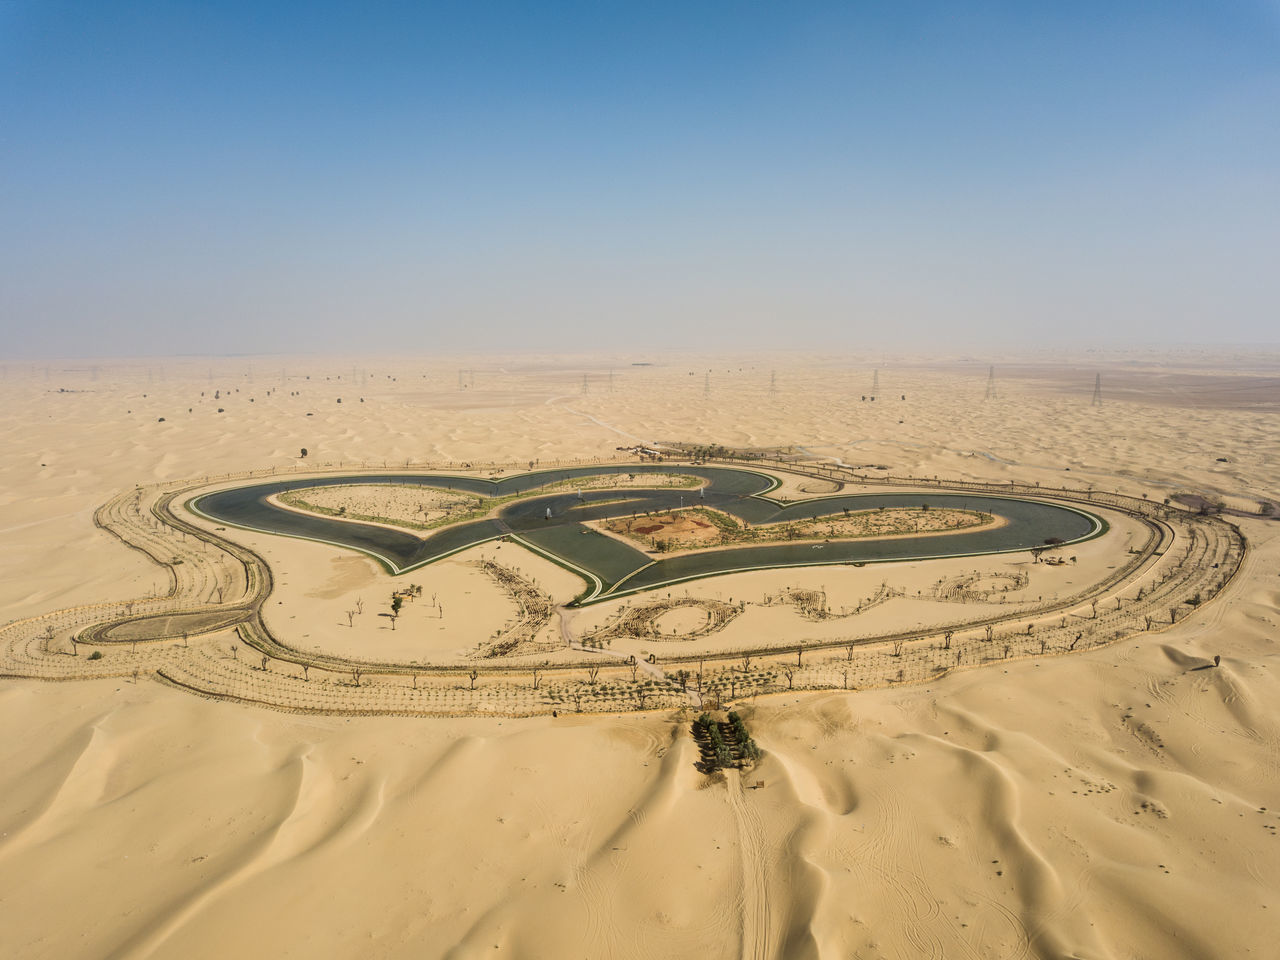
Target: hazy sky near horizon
[[249, 177]]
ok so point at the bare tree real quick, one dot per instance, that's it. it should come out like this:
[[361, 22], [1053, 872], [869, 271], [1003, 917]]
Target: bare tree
[[306, 669], [264, 662], [359, 605], [355, 675], [593, 671], [473, 676], [946, 639], [537, 677], [351, 618], [897, 648], [790, 673]]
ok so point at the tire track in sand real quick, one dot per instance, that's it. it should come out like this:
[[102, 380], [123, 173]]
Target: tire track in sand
[[753, 900]]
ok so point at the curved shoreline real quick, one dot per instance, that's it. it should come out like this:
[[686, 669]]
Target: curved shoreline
[[552, 524]]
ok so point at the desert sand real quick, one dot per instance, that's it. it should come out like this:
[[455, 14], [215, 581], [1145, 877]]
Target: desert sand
[[1118, 802]]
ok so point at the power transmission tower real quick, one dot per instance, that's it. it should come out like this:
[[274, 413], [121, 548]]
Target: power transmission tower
[[611, 381], [706, 384], [991, 384], [1097, 391], [461, 385], [586, 387], [473, 379], [875, 384], [773, 381]]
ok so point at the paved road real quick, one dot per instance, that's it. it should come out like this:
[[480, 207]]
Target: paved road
[[613, 568]]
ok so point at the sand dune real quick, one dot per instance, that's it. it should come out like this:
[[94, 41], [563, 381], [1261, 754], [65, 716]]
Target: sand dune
[[1122, 802]]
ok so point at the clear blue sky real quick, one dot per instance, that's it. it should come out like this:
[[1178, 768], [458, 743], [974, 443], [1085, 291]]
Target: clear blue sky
[[242, 177]]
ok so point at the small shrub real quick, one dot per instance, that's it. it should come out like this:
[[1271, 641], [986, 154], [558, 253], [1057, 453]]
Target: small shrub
[[96, 655]]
